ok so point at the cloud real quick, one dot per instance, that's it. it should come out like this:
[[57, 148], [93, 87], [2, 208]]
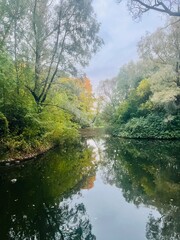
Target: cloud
[[121, 35]]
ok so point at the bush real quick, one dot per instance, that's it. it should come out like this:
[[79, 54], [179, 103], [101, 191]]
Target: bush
[[136, 105], [151, 126], [3, 125]]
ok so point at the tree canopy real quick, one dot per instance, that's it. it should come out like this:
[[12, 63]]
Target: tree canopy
[[145, 96], [49, 36], [44, 45]]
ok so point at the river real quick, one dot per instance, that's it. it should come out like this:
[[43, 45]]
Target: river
[[103, 188]]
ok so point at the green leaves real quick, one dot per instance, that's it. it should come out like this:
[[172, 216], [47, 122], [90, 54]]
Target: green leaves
[[40, 43], [144, 99], [152, 126], [3, 125], [139, 117]]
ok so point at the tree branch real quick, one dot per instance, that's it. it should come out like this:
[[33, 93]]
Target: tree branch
[[158, 5]]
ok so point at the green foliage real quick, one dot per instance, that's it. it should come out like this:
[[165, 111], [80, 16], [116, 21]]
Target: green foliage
[[44, 43], [15, 113], [147, 92], [152, 126], [29, 127], [7, 84], [38, 48], [30, 130], [3, 125], [134, 105], [58, 126], [139, 117]]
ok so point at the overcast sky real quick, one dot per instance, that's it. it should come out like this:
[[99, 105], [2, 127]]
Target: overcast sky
[[121, 35]]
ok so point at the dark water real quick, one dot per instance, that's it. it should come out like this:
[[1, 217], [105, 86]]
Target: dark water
[[104, 189]]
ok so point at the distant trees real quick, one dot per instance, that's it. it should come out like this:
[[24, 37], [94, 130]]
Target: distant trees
[[138, 7], [162, 48], [76, 98], [147, 92]]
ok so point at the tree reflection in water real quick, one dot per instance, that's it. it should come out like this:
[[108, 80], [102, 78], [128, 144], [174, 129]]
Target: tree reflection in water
[[39, 205], [45, 202], [55, 222], [148, 174]]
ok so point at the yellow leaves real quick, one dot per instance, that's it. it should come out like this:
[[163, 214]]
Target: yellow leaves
[[80, 90], [143, 88], [146, 106], [74, 96]]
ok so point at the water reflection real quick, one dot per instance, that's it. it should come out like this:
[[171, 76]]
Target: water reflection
[[148, 174], [38, 205], [94, 191]]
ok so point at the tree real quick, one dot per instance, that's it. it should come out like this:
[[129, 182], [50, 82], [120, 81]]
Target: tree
[[107, 89], [138, 7], [52, 37], [74, 95], [162, 48], [129, 77]]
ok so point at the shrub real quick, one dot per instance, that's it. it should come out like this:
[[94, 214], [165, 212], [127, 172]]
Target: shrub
[[151, 126], [3, 125]]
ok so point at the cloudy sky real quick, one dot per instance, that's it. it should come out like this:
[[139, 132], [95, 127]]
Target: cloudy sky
[[121, 35]]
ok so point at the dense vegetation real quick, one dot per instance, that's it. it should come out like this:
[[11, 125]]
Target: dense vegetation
[[43, 46], [143, 101]]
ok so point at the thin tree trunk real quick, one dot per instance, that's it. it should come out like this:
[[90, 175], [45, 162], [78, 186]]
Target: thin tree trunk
[[15, 56]]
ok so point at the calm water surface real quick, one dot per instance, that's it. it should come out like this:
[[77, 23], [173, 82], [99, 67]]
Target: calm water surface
[[104, 189]]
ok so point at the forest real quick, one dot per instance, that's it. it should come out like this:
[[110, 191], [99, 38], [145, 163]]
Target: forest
[[44, 95], [143, 100]]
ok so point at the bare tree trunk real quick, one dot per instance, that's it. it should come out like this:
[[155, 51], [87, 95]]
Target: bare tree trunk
[[37, 53]]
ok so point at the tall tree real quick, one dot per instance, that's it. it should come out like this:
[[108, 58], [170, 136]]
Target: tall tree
[[163, 48], [52, 37]]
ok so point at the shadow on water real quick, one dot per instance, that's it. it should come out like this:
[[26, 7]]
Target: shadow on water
[[38, 198]]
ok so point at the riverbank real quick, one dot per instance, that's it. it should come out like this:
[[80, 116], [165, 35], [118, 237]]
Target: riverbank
[[16, 157], [11, 159], [18, 148], [152, 127]]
